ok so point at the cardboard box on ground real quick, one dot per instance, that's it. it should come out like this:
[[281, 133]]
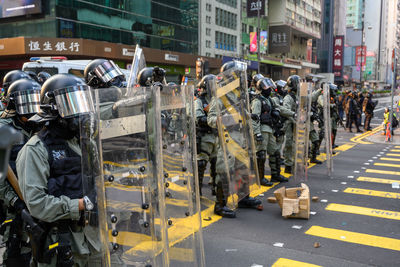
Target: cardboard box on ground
[[294, 202]]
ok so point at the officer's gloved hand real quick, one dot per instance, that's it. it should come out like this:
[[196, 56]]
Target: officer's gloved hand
[[202, 121], [259, 138], [19, 205]]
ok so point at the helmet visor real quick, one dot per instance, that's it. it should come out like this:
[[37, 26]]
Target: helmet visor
[[242, 66], [27, 102], [74, 101], [107, 71], [265, 84]]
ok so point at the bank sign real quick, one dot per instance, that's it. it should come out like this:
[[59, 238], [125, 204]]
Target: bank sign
[[338, 48]]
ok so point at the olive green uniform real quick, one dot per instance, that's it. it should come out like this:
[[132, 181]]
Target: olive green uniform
[[285, 114], [289, 103], [34, 170]]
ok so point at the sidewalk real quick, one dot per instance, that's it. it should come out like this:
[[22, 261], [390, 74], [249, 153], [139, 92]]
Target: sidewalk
[[381, 139]]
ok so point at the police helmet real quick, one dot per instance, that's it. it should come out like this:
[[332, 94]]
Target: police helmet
[[100, 73], [23, 99], [13, 76], [150, 75], [65, 96], [266, 86], [333, 89], [43, 76], [257, 78], [32, 74], [280, 85], [233, 65], [293, 82]]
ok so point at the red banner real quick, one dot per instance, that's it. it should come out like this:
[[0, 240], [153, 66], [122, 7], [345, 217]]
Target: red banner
[[338, 48], [361, 57], [253, 42]]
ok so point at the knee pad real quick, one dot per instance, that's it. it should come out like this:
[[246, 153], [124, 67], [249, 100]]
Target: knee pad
[[261, 154]]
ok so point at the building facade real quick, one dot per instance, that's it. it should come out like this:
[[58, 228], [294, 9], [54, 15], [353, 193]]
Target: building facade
[[219, 28], [354, 14]]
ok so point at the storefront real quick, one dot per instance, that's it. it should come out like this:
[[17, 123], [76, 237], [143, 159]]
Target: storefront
[[15, 51]]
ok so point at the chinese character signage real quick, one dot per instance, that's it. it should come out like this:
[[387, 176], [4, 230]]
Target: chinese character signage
[[53, 46], [361, 57], [338, 47], [253, 42], [253, 6], [279, 39], [263, 42]]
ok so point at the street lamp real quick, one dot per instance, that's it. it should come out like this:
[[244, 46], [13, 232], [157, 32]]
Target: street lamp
[[369, 27]]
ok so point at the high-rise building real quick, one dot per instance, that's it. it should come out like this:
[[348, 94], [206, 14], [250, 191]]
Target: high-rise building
[[219, 28], [354, 14], [167, 28], [292, 26]]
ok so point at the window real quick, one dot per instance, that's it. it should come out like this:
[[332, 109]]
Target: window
[[244, 27], [225, 19], [208, 31], [208, 7], [208, 54], [208, 19]]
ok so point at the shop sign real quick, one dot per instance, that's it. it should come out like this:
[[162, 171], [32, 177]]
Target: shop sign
[[53, 46], [170, 57], [338, 49]]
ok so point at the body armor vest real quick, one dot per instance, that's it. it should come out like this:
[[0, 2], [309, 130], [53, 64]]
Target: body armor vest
[[65, 167], [204, 128]]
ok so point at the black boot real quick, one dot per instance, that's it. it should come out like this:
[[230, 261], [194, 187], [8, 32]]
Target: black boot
[[201, 166], [314, 148], [213, 174], [261, 158], [250, 202], [276, 174], [220, 207], [288, 169]]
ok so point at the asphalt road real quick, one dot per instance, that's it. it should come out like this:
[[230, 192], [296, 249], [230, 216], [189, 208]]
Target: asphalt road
[[355, 222]]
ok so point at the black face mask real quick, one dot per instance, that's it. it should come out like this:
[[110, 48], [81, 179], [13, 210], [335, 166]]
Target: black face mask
[[266, 93], [65, 128]]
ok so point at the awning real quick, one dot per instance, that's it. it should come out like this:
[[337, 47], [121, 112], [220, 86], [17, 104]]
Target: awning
[[272, 62], [292, 66], [310, 65]]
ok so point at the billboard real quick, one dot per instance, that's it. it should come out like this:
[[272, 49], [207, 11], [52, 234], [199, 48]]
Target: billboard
[[15, 8], [253, 6], [361, 57], [279, 39], [263, 42], [253, 42], [338, 49]]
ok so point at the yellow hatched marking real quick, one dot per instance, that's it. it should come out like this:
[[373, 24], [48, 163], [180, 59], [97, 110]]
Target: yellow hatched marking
[[353, 237], [390, 159], [393, 155], [382, 172], [282, 262], [395, 150], [377, 180], [386, 214], [373, 193], [387, 165], [396, 146]]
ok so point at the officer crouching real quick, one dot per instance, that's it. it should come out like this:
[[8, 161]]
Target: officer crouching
[[50, 177]]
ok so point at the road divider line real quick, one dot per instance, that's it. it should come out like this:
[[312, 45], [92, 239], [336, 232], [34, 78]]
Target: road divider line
[[393, 155], [358, 139], [396, 146], [382, 172], [387, 165], [282, 262], [377, 180], [373, 193], [354, 237], [385, 214], [390, 159]]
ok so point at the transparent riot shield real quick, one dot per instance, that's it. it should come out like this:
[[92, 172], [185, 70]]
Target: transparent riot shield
[[328, 129], [130, 199], [235, 132], [183, 213], [138, 63], [302, 131]]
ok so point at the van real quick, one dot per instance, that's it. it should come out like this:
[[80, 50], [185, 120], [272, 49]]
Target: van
[[56, 65]]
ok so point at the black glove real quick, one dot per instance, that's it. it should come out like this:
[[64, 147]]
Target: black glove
[[19, 205], [255, 117], [202, 121]]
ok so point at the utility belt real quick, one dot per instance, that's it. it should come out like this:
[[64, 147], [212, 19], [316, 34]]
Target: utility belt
[[50, 239]]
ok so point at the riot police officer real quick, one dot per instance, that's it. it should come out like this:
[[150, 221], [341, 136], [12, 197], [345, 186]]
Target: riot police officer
[[42, 77], [313, 135], [23, 101], [50, 175], [152, 76], [11, 77], [206, 137], [353, 111], [368, 108], [266, 117], [289, 102], [277, 96]]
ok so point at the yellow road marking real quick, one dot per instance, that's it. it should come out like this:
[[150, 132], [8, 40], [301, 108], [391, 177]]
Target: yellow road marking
[[282, 262], [386, 214], [373, 193], [387, 165], [393, 155], [396, 146], [395, 150], [353, 237], [377, 180], [382, 172], [390, 159], [359, 138]]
